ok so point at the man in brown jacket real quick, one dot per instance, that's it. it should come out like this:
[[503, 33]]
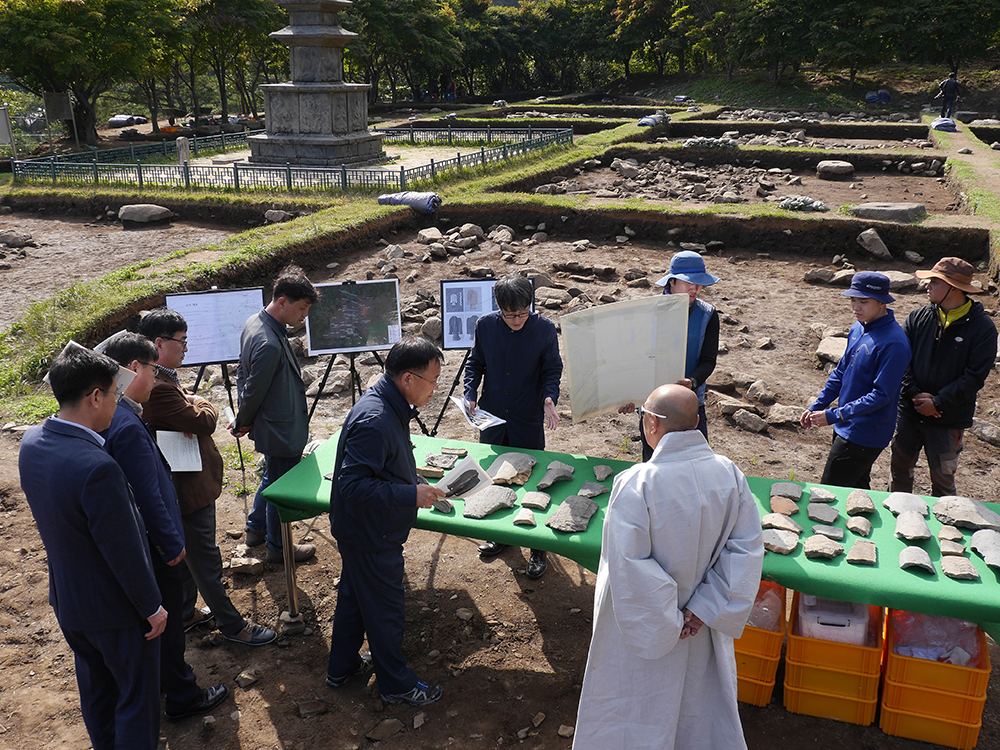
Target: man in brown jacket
[[170, 407]]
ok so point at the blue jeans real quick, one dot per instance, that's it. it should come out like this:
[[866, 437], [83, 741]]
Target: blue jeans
[[264, 515]]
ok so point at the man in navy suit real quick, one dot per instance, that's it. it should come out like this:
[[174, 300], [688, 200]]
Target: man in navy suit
[[130, 443], [101, 582]]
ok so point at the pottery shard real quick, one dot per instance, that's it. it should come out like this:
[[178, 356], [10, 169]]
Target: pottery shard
[[573, 514], [592, 489], [780, 521], [822, 548], [784, 506], [986, 543], [859, 525], [536, 500], [786, 489], [950, 533], [859, 503], [443, 505], [821, 495], [431, 472], [949, 547], [832, 532], [965, 513], [911, 526], [822, 513], [899, 502], [959, 568], [557, 471], [489, 500], [915, 557], [460, 452], [511, 468], [782, 542], [863, 552], [525, 517], [602, 472], [442, 461]]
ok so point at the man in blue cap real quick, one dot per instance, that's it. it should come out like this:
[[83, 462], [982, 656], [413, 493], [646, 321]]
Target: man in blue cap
[[865, 384], [689, 276]]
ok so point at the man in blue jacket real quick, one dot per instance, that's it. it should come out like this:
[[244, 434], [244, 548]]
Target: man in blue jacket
[[516, 358], [373, 506], [865, 384], [129, 442], [101, 583]]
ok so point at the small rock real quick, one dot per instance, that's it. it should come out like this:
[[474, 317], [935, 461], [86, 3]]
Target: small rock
[[557, 471], [821, 495], [780, 521], [859, 503], [748, 421], [250, 565], [464, 614], [208, 722], [443, 505], [565, 730], [863, 552], [899, 502], [829, 168], [985, 431], [959, 568], [949, 547], [915, 557], [308, 709], [419, 720], [871, 242], [247, 677], [965, 150], [820, 547], [831, 349], [832, 532], [759, 391], [143, 213], [950, 533], [573, 514], [859, 525], [784, 506], [786, 489], [911, 526], [822, 513], [912, 257], [819, 276], [385, 730], [780, 415], [782, 542], [537, 719], [602, 472], [592, 489], [429, 236]]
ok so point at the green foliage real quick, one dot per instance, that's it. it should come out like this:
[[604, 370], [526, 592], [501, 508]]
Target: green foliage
[[30, 408]]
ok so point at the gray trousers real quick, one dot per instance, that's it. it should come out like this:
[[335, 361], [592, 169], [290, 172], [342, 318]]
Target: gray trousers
[[203, 571]]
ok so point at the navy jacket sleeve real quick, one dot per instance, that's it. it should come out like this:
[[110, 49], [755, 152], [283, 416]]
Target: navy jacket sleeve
[[365, 461], [474, 367], [552, 366], [709, 351]]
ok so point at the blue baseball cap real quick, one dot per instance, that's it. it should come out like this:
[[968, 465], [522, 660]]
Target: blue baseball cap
[[870, 285], [689, 266]]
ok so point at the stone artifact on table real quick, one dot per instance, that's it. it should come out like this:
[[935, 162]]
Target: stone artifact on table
[[511, 468], [819, 547], [441, 460], [949, 547], [950, 533], [863, 552], [524, 517], [786, 489], [592, 489], [536, 500], [780, 541], [602, 472], [573, 514], [489, 500], [460, 452], [900, 502], [959, 568], [832, 532], [443, 505], [986, 543], [821, 495], [859, 503], [781, 522], [783, 505], [965, 513], [557, 471], [859, 525], [822, 513], [910, 525], [915, 557], [430, 472]]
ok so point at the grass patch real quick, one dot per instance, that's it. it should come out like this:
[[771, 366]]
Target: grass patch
[[231, 460], [29, 408]]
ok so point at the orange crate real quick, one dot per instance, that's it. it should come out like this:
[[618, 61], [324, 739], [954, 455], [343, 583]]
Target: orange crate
[[829, 706], [865, 660], [937, 676], [756, 667], [928, 729], [764, 642], [754, 692], [833, 681], [937, 703]]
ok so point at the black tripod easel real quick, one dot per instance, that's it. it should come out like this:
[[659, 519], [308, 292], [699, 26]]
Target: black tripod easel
[[355, 379], [447, 400], [229, 392]]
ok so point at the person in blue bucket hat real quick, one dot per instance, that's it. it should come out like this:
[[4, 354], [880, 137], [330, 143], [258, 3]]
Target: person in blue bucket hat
[[865, 384], [689, 276]]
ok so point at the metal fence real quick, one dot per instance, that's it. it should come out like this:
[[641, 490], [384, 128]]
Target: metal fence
[[101, 170]]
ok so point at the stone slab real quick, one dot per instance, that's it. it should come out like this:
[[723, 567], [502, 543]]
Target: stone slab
[[965, 513], [573, 514], [902, 212], [489, 500]]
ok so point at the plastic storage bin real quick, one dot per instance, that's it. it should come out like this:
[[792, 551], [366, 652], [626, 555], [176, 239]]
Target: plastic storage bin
[[830, 706], [863, 687], [754, 692], [927, 729], [763, 642], [756, 667], [932, 703], [937, 676], [832, 620], [866, 660]]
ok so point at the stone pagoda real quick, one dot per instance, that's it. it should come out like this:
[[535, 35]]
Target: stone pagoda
[[315, 119]]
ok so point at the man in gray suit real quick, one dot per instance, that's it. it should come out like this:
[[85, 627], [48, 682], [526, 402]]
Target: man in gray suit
[[272, 401]]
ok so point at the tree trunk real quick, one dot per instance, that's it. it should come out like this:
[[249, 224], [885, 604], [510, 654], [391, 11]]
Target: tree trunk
[[86, 118], [220, 77]]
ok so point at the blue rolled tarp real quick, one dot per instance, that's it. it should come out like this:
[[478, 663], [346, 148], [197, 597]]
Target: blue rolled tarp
[[650, 121], [425, 203], [944, 123]]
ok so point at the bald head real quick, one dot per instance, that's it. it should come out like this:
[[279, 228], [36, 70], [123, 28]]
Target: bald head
[[678, 410]]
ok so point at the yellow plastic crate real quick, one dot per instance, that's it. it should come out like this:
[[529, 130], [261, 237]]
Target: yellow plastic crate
[[764, 642], [928, 729], [926, 701], [756, 667], [829, 706], [933, 675], [754, 692], [846, 657], [862, 687]]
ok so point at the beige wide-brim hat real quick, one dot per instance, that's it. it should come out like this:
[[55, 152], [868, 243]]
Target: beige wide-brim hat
[[955, 271]]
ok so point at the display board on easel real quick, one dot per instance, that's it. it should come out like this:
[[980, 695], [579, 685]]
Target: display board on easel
[[215, 321], [354, 316], [463, 303]]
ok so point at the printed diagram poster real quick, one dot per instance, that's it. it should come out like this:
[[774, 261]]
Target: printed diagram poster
[[618, 353], [464, 301], [215, 321]]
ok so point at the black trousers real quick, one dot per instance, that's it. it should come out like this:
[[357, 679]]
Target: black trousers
[[177, 680], [849, 464]]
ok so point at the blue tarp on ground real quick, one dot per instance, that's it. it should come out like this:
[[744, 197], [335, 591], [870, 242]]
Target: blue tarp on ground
[[425, 203], [944, 123]]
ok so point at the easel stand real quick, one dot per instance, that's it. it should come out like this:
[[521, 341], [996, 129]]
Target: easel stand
[[444, 406], [355, 379], [229, 392]]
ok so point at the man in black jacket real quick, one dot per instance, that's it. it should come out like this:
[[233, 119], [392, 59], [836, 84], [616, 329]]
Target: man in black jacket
[[954, 345]]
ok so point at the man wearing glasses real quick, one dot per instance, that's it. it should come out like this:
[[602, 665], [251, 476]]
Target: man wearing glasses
[[516, 358]]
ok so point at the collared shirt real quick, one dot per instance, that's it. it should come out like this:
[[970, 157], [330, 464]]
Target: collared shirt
[[172, 374], [950, 316], [100, 440]]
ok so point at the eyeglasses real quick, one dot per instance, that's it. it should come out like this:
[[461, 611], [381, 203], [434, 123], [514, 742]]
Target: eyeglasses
[[109, 391], [182, 342], [644, 410], [516, 316], [426, 380]]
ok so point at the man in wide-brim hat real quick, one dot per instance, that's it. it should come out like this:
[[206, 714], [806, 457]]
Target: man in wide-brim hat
[[954, 345]]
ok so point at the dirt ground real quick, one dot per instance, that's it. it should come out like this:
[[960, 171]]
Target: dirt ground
[[523, 652]]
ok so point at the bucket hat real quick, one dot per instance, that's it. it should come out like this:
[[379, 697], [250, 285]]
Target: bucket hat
[[689, 266], [870, 285], [955, 271]]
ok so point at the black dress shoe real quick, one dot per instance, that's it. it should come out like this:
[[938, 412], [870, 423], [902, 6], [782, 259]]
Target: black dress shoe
[[536, 565], [491, 549], [210, 698]]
